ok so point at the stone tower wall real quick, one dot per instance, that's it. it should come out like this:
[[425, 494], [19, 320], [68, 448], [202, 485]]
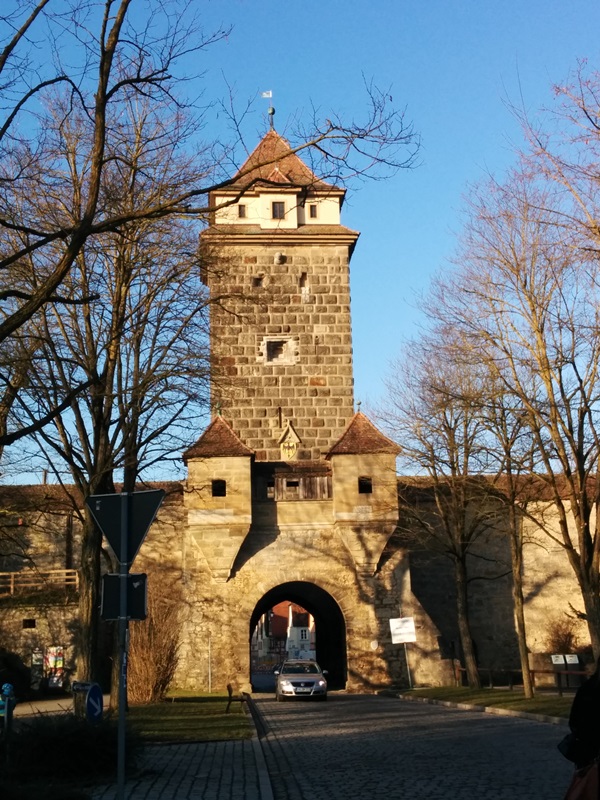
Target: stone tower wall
[[303, 302]]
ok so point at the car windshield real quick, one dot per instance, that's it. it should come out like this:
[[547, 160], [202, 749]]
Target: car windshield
[[295, 668]]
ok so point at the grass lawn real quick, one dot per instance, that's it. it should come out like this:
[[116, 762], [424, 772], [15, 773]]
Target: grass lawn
[[549, 704], [190, 719]]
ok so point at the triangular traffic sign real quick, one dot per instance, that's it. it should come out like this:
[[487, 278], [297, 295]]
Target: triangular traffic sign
[[129, 515]]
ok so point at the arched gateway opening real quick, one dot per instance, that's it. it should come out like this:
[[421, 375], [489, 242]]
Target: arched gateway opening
[[330, 627]]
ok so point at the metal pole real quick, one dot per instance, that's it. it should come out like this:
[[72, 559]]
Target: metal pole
[[123, 570], [407, 666], [209, 666]]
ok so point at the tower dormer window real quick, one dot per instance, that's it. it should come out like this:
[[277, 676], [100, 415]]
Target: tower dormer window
[[277, 209], [312, 211], [242, 211]]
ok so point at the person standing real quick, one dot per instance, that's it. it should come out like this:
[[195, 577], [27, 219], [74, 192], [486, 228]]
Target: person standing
[[584, 719]]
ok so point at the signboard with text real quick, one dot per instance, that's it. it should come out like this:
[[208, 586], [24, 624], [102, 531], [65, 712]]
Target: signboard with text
[[403, 630]]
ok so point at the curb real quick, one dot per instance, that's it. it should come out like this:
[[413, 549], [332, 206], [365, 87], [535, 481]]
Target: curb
[[264, 780], [501, 712]]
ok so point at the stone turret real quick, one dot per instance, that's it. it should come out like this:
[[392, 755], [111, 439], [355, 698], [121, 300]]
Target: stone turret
[[218, 495], [365, 492]]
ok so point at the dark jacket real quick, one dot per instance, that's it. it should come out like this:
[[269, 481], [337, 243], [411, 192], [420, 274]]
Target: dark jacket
[[584, 719]]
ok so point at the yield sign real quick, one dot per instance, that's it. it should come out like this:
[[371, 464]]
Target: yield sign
[[125, 518]]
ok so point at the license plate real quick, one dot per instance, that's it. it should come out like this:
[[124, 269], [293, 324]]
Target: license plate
[[303, 690]]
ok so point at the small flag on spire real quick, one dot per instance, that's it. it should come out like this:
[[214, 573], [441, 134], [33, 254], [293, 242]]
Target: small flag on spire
[[267, 94]]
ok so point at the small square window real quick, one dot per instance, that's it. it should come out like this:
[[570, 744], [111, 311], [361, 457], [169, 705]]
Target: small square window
[[276, 349], [219, 488], [365, 485], [312, 211], [29, 623], [257, 281], [278, 210], [242, 211]]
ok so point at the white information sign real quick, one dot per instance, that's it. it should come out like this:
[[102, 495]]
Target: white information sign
[[403, 630], [572, 659], [558, 659]]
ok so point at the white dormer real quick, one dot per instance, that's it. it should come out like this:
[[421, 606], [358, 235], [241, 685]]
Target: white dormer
[[276, 209]]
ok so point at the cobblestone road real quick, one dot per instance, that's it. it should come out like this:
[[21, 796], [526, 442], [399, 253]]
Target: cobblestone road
[[375, 747]]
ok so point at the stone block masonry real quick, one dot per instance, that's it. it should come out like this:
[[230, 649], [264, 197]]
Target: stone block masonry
[[290, 323]]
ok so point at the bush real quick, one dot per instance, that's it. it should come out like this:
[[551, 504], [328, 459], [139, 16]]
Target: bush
[[14, 671], [154, 646], [562, 635], [50, 745]]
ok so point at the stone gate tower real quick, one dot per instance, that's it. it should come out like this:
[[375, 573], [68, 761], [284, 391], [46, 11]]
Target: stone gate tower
[[282, 351], [290, 494]]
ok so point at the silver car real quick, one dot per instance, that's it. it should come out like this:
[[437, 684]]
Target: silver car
[[300, 679]]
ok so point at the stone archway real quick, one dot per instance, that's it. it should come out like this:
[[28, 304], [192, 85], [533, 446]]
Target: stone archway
[[330, 625]]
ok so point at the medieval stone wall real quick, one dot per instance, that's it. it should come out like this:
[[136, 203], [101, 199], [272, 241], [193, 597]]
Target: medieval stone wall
[[217, 613]]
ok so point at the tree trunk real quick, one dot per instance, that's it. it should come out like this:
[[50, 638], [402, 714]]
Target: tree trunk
[[516, 553], [464, 630], [591, 600], [516, 547], [87, 634]]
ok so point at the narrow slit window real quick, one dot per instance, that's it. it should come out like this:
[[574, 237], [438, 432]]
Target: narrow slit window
[[365, 485], [242, 211], [219, 488], [312, 211]]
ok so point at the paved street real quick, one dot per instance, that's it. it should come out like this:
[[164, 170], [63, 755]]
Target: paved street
[[376, 747]]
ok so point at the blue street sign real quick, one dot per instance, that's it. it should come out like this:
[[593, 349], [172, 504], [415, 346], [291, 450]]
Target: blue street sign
[[94, 703]]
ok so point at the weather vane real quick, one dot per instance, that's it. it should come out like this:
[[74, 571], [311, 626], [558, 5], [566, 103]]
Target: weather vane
[[271, 111]]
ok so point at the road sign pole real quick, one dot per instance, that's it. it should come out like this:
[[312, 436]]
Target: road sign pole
[[124, 519], [123, 570]]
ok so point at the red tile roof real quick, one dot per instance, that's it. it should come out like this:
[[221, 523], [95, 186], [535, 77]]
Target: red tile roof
[[274, 162], [217, 440], [361, 437]]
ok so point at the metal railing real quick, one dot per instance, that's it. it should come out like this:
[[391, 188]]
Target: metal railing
[[37, 580]]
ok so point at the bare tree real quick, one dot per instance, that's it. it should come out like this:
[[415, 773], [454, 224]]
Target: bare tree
[[513, 456], [139, 347], [526, 297], [105, 58], [450, 508]]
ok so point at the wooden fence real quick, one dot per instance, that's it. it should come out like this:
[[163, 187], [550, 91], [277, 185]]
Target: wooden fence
[[563, 679], [37, 580]]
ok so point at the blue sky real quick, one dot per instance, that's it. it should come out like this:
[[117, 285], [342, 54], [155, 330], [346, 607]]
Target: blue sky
[[456, 66]]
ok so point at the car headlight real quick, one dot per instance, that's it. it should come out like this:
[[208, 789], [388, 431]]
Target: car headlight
[[286, 685], [321, 683]]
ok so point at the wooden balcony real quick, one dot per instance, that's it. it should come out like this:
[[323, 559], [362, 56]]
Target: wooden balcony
[[27, 581]]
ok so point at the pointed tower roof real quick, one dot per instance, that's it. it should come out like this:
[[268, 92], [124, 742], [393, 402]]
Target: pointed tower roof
[[361, 437], [217, 440], [274, 162]]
